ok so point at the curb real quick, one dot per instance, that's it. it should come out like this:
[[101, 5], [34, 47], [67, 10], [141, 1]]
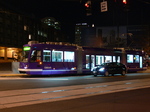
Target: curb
[[11, 74]]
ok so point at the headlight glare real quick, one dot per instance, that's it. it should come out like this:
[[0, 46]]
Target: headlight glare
[[93, 68], [101, 69]]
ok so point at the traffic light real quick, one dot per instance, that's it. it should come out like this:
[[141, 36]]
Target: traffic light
[[126, 5], [124, 1], [88, 7], [88, 4]]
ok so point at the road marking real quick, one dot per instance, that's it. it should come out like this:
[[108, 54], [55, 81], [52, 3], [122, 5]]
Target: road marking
[[15, 98]]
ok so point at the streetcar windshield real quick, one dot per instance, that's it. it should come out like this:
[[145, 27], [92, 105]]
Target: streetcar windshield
[[25, 54]]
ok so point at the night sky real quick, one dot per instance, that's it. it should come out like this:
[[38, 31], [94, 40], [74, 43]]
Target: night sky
[[69, 12]]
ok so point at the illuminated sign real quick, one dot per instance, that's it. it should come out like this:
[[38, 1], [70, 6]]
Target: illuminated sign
[[104, 6], [27, 48]]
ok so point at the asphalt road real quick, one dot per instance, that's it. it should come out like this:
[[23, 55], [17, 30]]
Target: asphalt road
[[23, 82], [136, 100], [128, 101]]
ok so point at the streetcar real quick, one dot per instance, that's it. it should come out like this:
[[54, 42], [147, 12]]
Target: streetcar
[[52, 58]]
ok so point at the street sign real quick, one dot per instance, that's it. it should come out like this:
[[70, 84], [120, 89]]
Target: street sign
[[104, 6]]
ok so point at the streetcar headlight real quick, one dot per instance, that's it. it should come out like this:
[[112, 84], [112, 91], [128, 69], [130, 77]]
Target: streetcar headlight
[[40, 63], [73, 68], [26, 67]]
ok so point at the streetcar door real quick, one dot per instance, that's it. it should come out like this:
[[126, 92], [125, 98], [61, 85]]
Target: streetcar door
[[141, 62], [90, 61], [87, 61]]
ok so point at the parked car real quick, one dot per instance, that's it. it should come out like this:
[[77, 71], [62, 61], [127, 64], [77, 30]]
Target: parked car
[[110, 68]]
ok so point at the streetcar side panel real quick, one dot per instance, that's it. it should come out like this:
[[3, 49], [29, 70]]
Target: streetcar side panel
[[135, 60], [50, 59]]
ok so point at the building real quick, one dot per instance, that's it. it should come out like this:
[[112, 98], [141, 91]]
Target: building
[[112, 36], [78, 29], [16, 29], [54, 27], [50, 21], [133, 36]]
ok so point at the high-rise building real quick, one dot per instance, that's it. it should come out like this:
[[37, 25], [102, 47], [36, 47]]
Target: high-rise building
[[50, 21], [133, 36], [16, 29], [78, 30]]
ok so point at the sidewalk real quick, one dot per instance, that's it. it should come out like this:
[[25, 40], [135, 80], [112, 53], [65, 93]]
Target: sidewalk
[[10, 74]]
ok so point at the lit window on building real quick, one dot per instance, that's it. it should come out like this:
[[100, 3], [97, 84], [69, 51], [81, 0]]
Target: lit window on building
[[29, 36], [92, 25], [56, 22], [45, 35], [25, 27], [38, 32], [84, 23], [41, 33]]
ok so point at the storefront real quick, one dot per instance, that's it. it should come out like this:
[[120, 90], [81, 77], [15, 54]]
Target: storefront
[[8, 54]]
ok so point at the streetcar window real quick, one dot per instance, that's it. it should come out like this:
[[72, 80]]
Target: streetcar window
[[46, 55], [129, 58], [116, 59], [68, 56], [108, 58], [87, 62], [57, 56], [99, 59], [90, 63], [36, 56], [136, 58]]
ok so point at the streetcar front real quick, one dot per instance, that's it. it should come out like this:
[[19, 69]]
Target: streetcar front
[[31, 60], [24, 63]]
